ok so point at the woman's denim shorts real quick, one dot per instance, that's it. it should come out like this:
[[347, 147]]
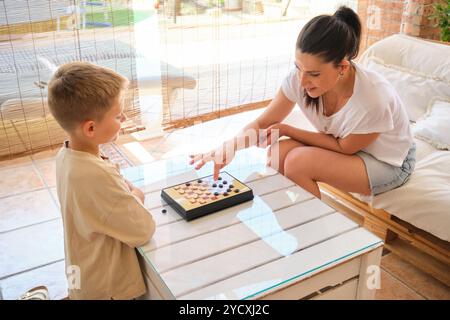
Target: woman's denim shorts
[[384, 176]]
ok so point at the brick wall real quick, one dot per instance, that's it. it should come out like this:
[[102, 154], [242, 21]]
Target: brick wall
[[382, 18]]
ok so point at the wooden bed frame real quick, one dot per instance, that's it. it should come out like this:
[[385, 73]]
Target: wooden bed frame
[[422, 249]]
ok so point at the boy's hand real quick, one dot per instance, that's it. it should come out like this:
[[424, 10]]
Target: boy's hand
[[136, 191], [129, 184]]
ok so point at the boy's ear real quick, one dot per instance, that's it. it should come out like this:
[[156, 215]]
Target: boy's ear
[[88, 128]]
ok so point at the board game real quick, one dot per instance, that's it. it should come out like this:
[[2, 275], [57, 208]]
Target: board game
[[202, 196]]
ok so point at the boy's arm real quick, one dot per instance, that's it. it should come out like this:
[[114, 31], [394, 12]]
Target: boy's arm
[[130, 222], [127, 220]]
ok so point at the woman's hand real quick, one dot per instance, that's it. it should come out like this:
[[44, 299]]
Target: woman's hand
[[221, 157], [272, 134]]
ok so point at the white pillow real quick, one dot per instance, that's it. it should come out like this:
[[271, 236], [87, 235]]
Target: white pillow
[[434, 127], [415, 89]]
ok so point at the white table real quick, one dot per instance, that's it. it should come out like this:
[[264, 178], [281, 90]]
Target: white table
[[284, 244]]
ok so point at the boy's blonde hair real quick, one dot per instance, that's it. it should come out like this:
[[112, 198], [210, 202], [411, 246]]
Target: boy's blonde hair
[[80, 91]]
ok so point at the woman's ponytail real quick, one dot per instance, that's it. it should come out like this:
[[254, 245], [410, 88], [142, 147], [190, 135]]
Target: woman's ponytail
[[349, 17], [334, 38]]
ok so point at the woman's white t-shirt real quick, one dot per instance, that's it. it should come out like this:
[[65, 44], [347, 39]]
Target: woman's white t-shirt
[[374, 107]]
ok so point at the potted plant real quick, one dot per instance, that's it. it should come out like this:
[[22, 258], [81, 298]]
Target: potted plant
[[442, 16]]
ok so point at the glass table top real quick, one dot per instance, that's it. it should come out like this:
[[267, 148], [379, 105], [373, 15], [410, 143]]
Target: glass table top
[[243, 252]]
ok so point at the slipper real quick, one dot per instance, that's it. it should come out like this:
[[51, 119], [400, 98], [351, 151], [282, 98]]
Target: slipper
[[36, 293]]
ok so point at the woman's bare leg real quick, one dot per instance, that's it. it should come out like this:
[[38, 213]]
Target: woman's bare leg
[[276, 154], [308, 165]]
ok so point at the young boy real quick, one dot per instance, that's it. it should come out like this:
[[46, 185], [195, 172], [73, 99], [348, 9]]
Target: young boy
[[103, 214]]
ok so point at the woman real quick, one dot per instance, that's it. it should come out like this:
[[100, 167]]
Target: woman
[[363, 144]]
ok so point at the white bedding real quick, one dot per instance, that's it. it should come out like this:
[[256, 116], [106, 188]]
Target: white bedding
[[424, 201], [420, 71]]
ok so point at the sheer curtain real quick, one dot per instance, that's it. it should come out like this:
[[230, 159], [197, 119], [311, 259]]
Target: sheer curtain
[[36, 36], [187, 61], [222, 57]]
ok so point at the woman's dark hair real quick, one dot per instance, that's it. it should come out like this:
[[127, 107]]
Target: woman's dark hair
[[333, 38]]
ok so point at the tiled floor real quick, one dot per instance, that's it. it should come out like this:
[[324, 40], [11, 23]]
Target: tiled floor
[[31, 237]]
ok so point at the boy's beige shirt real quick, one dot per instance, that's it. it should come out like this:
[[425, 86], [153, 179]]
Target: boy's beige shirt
[[103, 223]]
